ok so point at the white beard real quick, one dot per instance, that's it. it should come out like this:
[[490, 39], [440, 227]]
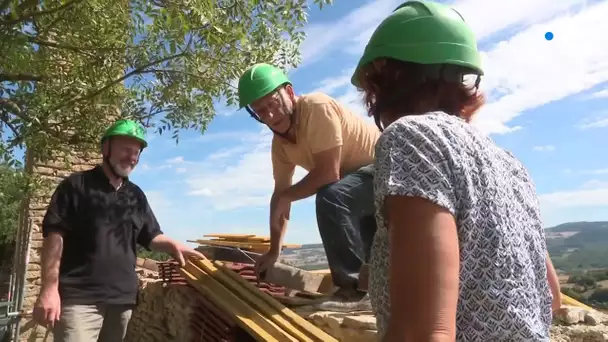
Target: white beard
[[122, 172]]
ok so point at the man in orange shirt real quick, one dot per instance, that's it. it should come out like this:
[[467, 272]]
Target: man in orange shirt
[[337, 148]]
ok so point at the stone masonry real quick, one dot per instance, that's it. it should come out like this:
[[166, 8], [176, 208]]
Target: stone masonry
[[53, 172], [163, 311]]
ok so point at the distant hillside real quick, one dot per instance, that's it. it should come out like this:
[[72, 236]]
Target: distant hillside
[[578, 226], [574, 247], [577, 246]]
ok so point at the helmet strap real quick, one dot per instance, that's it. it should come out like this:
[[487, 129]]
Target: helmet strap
[[106, 160]]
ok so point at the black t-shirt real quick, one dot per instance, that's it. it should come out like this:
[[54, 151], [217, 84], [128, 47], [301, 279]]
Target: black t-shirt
[[101, 228]]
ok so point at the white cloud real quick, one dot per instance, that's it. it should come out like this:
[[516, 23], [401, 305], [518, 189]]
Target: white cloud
[[600, 123], [352, 32], [544, 148], [326, 38], [524, 71], [599, 120], [490, 17], [591, 194], [331, 84], [176, 160], [247, 182], [602, 94], [548, 70]]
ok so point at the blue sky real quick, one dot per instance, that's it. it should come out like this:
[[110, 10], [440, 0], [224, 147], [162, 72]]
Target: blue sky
[[548, 104]]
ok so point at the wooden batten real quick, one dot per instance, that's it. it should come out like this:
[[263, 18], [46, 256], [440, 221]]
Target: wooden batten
[[313, 331], [249, 319]]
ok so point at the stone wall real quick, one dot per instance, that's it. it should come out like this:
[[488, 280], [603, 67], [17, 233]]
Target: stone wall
[[571, 324], [162, 316], [163, 311], [34, 209]]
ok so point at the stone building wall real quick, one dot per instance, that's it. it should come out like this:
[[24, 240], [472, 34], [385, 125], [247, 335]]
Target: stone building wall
[[52, 172]]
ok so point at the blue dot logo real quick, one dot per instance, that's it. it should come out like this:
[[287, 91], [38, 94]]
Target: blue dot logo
[[549, 36]]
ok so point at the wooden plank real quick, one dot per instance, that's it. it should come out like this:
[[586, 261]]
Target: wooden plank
[[238, 244], [229, 235], [314, 331], [571, 301], [236, 286], [229, 305], [241, 239], [219, 290]]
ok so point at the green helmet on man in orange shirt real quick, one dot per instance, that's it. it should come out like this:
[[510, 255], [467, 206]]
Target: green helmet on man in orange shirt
[[260, 80]]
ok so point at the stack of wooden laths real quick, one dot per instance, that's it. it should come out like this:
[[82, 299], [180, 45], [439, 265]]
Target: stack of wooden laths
[[248, 242], [261, 315]]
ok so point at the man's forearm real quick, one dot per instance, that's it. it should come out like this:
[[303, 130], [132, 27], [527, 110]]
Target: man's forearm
[[276, 236], [52, 248], [277, 229], [162, 243], [309, 185]]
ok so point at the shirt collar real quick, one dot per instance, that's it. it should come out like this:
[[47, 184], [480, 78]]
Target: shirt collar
[[98, 170]]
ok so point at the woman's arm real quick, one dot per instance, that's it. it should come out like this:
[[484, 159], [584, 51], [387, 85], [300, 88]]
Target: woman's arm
[[424, 271], [554, 285]]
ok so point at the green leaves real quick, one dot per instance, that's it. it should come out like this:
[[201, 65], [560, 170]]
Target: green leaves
[[15, 185], [72, 65]]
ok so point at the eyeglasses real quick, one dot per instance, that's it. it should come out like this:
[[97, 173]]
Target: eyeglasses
[[274, 101]]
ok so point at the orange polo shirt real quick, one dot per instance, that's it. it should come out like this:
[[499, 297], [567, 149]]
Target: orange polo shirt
[[322, 123]]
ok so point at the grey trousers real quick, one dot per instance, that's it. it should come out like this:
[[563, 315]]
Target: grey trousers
[[91, 323], [345, 216]]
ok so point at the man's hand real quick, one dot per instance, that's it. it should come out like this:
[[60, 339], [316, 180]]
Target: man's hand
[[265, 261], [47, 309], [279, 207], [181, 253]]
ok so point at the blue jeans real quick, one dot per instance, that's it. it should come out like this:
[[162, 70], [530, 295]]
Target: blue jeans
[[345, 216]]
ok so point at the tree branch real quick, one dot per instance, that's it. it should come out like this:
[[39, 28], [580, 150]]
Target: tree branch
[[62, 46], [5, 119], [39, 13], [19, 77], [189, 74], [135, 71]]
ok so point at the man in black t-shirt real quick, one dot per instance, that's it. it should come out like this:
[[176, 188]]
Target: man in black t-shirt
[[91, 229]]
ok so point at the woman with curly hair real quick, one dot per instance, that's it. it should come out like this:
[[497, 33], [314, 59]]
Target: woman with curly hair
[[460, 251]]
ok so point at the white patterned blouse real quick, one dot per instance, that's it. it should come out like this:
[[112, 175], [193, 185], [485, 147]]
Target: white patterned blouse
[[504, 293]]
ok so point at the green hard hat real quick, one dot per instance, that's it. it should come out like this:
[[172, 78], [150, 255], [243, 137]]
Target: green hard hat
[[127, 128], [258, 81], [423, 32]]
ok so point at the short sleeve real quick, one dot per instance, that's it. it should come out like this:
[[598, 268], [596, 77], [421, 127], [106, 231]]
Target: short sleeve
[[282, 168], [151, 227], [411, 161], [60, 212], [324, 127]]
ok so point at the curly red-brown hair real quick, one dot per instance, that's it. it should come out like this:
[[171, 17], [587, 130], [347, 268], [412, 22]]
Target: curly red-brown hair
[[394, 88]]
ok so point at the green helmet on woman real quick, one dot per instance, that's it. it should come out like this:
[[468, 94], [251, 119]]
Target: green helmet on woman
[[423, 32]]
